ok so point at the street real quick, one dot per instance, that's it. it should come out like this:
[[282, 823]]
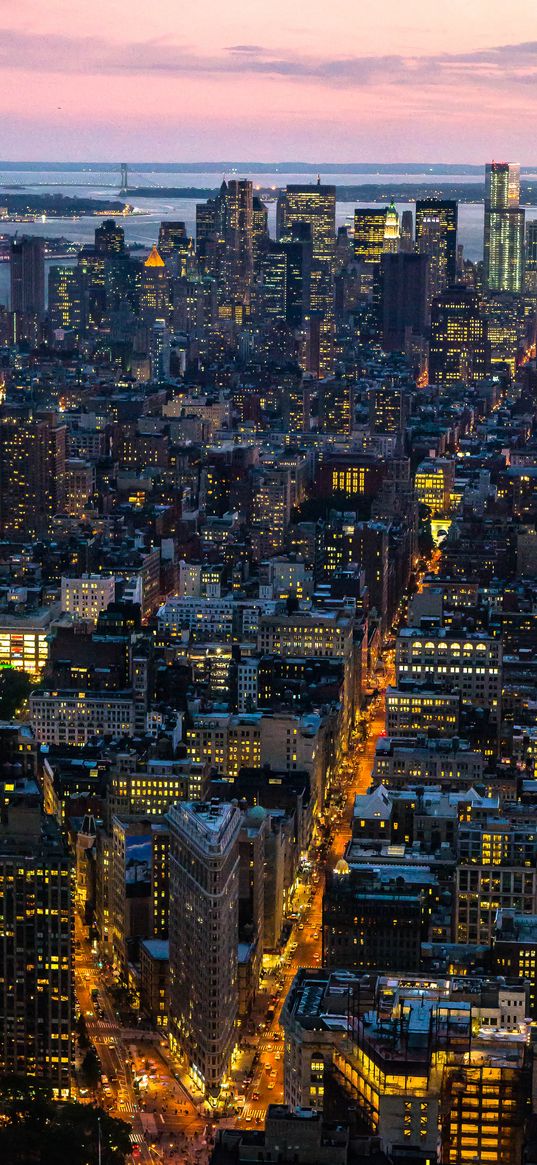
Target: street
[[142, 1084]]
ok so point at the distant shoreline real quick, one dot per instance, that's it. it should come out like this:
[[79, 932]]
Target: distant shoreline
[[260, 167], [365, 192]]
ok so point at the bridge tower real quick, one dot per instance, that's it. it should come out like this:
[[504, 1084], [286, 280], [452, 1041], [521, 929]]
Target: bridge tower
[[124, 178]]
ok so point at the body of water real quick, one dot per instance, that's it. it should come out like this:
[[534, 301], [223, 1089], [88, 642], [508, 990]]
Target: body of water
[[143, 226]]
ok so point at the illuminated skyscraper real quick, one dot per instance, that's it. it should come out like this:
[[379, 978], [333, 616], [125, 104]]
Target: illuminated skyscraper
[[27, 272], [407, 231], [203, 933], [285, 280], [109, 238], [155, 289], [391, 230], [175, 247], [531, 257], [36, 987], [66, 299], [32, 471], [224, 240], [504, 228], [459, 347], [369, 231], [316, 207], [260, 231], [436, 236], [240, 236]]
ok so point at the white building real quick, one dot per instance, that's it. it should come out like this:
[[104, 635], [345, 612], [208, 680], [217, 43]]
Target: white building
[[67, 717], [444, 761], [87, 596], [470, 663]]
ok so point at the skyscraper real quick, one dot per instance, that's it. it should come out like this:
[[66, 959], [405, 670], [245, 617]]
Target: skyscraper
[[224, 240], [260, 231], [369, 230], [285, 268], [204, 896], [404, 292], [436, 236], [316, 207], [36, 988], [531, 257], [175, 247], [27, 276], [155, 289], [459, 348], [109, 238], [66, 299], [391, 230], [504, 228], [407, 231], [32, 471], [240, 235]]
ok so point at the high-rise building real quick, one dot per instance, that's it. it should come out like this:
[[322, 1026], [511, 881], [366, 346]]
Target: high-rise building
[[109, 238], [389, 408], [392, 232], [273, 298], [155, 289], [285, 268], [260, 231], [240, 235], [27, 276], [36, 952], [204, 897], [369, 231], [531, 257], [315, 206], [175, 247], [406, 242], [459, 348], [32, 471], [225, 240], [66, 299], [404, 291], [436, 236], [504, 228]]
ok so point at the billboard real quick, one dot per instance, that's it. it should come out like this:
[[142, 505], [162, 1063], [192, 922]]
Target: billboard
[[138, 855]]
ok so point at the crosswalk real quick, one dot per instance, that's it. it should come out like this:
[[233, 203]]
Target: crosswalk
[[126, 1106], [102, 1027], [255, 1113]]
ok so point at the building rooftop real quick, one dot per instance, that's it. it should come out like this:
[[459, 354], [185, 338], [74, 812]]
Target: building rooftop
[[208, 824], [154, 259], [158, 949]]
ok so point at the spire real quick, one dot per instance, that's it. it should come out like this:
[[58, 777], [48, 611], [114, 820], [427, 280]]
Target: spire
[[154, 259]]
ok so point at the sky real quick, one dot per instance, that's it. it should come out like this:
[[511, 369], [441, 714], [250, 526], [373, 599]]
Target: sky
[[268, 80]]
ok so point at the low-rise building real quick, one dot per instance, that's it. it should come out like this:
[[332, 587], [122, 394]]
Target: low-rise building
[[413, 708], [68, 717], [87, 596], [445, 761]]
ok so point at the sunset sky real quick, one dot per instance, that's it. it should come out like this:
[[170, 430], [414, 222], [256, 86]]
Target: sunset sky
[[345, 80]]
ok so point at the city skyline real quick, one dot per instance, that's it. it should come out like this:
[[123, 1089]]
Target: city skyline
[[77, 84]]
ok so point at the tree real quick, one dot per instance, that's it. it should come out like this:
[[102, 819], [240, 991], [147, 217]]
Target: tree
[[82, 1032], [36, 1130], [15, 686], [91, 1068]]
